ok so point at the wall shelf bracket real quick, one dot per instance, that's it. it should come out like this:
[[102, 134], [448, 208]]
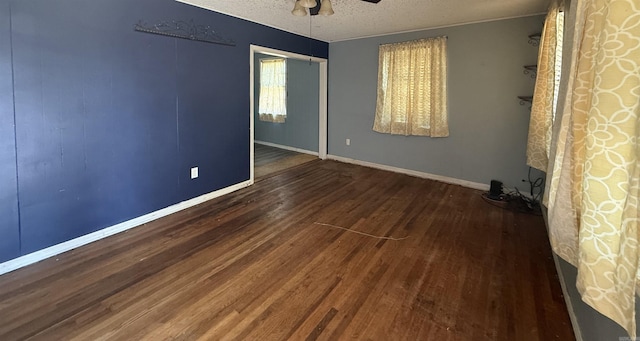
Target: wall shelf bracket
[[531, 70], [534, 39], [526, 99]]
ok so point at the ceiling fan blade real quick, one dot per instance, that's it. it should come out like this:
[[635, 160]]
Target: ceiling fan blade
[[314, 10]]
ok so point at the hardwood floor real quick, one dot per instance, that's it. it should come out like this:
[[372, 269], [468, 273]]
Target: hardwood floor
[[269, 160], [266, 154], [256, 265]]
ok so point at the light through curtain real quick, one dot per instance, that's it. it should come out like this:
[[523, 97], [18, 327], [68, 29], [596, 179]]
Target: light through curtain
[[593, 182], [545, 94], [412, 88], [272, 105]]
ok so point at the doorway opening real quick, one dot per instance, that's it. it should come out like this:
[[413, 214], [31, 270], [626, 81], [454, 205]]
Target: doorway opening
[[280, 145]]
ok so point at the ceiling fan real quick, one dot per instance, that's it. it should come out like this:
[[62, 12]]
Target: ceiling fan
[[322, 7]]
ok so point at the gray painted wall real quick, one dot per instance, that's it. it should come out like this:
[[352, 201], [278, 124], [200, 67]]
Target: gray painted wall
[[592, 325], [301, 127], [488, 126]]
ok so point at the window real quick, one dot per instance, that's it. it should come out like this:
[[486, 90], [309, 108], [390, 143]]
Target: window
[[412, 88], [272, 106], [558, 61]]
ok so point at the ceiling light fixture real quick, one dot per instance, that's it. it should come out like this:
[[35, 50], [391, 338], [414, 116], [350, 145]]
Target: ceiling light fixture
[[298, 10], [301, 6], [326, 8], [308, 3]]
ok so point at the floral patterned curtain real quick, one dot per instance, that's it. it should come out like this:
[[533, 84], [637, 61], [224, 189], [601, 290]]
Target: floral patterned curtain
[[593, 182], [546, 89]]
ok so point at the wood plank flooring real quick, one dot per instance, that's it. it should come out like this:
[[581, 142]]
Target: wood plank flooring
[[256, 265], [269, 160], [266, 154]]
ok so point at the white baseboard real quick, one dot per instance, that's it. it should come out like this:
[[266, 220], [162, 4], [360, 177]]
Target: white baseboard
[[51, 251], [304, 151], [446, 179]]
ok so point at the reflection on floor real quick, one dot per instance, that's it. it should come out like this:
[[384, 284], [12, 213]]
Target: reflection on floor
[[269, 160]]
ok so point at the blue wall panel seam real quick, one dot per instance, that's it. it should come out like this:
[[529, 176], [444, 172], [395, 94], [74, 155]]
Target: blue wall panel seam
[[15, 128], [177, 116]]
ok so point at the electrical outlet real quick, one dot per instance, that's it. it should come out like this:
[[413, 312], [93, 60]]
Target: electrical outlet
[[348, 142], [194, 172]]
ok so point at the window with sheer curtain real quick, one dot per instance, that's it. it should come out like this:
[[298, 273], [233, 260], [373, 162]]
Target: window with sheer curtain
[[272, 105], [545, 95], [412, 88]]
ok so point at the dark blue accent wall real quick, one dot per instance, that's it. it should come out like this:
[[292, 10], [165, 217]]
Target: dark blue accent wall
[[9, 232], [109, 120]]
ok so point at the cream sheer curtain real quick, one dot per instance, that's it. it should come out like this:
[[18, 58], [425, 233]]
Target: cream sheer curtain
[[272, 105], [412, 88], [594, 171], [546, 89]]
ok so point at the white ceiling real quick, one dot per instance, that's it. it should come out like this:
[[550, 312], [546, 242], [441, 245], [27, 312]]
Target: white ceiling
[[357, 19]]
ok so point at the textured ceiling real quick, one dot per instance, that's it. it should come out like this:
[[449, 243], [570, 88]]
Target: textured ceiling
[[357, 19]]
